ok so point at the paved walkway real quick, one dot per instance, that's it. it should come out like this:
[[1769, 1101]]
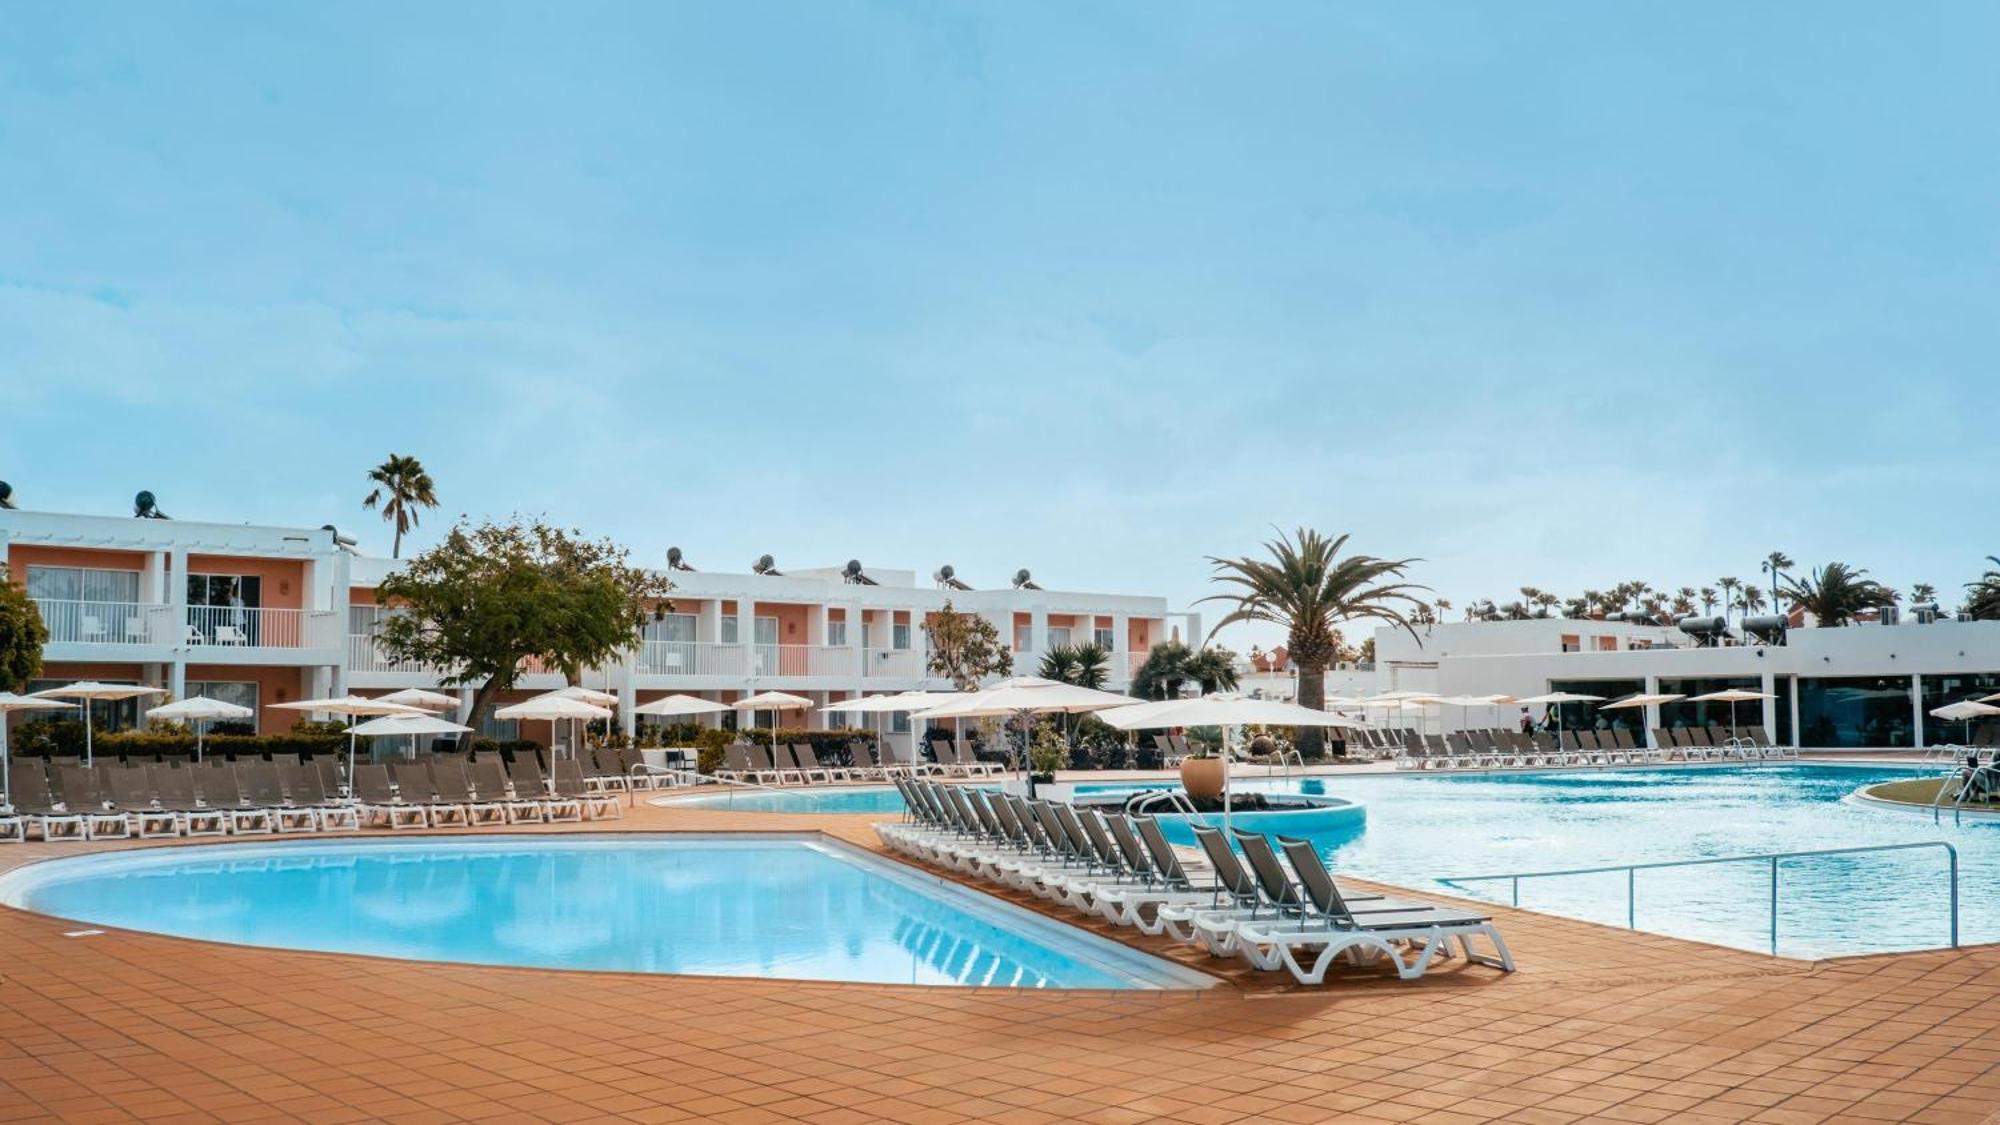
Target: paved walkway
[[1599, 1025]]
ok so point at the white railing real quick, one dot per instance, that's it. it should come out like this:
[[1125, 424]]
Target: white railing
[[364, 654], [897, 663], [803, 660], [690, 658], [109, 623], [243, 627]]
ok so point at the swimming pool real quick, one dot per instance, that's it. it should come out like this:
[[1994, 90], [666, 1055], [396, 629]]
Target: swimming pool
[[1423, 830], [777, 907], [864, 799]]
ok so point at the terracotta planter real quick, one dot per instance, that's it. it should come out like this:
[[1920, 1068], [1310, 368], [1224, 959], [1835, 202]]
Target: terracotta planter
[[1202, 777]]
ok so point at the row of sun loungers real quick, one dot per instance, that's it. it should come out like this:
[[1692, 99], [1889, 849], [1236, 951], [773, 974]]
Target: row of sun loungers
[[1289, 914], [1504, 749], [799, 764], [220, 798]]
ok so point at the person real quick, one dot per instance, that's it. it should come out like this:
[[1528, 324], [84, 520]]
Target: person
[[1527, 721]]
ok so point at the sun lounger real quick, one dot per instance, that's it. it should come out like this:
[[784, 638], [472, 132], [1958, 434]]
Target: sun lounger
[[736, 764], [600, 769], [591, 804], [448, 780], [216, 782], [416, 786], [174, 790], [526, 775], [807, 763], [489, 786], [261, 788], [379, 802], [1333, 930], [306, 790], [37, 805], [81, 794]]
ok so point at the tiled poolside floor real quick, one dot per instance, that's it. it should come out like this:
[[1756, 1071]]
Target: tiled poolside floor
[[1598, 1025]]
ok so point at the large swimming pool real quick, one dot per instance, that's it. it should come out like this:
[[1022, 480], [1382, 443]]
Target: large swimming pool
[[1425, 831], [789, 908]]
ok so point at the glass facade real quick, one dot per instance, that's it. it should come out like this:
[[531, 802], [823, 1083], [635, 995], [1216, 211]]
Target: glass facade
[[1586, 716], [105, 714], [1954, 688], [1748, 713], [1856, 711]]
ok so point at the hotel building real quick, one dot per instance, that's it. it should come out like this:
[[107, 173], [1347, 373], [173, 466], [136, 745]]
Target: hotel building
[[265, 615]]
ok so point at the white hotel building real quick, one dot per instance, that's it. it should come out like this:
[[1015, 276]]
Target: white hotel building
[[1862, 686], [264, 615]]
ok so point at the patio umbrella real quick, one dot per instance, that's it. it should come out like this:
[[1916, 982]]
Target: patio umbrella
[[199, 709], [412, 725], [9, 703], [1227, 712], [418, 697], [349, 706], [775, 702], [1025, 697], [1966, 710], [1560, 697], [681, 705], [1639, 699], [92, 690], [554, 707], [903, 703], [587, 695], [1731, 696]]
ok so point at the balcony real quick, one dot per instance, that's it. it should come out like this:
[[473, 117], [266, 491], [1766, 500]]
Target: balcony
[[364, 654], [892, 663], [107, 623], [144, 623]]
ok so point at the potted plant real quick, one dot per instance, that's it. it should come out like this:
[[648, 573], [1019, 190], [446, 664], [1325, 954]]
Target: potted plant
[[1046, 753], [1201, 773]]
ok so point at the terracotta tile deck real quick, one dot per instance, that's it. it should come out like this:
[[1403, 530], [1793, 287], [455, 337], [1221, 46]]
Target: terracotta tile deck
[[1598, 1025]]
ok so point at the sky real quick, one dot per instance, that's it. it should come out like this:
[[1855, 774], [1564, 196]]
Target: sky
[[1548, 294]]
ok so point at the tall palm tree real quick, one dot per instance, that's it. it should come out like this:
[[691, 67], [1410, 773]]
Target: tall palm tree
[[1923, 592], [1707, 600], [1305, 586], [1729, 587], [401, 487], [1751, 599], [1683, 603], [1835, 593], [1545, 603], [1982, 598], [1776, 564]]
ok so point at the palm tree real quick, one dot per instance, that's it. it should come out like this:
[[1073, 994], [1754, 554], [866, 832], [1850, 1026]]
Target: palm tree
[[1729, 587], [1837, 592], [1982, 598], [1707, 600], [1776, 564], [1683, 603], [1751, 599], [1305, 586], [1923, 593], [1085, 665], [1171, 664], [401, 487], [1545, 603]]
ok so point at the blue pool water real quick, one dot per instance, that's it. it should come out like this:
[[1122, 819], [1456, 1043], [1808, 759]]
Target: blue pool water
[[868, 799], [771, 907], [1421, 831]]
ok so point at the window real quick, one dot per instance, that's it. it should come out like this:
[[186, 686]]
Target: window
[[1586, 716], [899, 635], [1607, 644], [1955, 687], [219, 605], [731, 633], [676, 628], [1058, 636], [499, 730], [1024, 637], [78, 584], [836, 633], [227, 691], [1850, 711], [899, 722], [1572, 643], [1103, 637]]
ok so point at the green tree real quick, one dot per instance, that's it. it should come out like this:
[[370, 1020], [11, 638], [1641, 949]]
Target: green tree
[[1170, 665], [1306, 587], [1085, 665], [1835, 593], [1751, 599], [401, 487], [1923, 592], [1708, 600], [22, 635], [1776, 564], [1982, 598], [965, 648], [488, 599], [1729, 587]]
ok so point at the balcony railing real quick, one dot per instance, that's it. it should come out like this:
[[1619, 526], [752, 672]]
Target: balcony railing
[[691, 658], [893, 663], [243, 627], [802, 660], [144, 623], [364, 654], [109, 623]]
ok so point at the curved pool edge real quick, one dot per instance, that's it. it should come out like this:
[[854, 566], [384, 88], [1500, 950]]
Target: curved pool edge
[[1109, 952], [1862, 798]]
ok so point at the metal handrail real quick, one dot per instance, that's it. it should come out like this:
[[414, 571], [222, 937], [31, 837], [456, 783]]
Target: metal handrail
[[1140, 803], [1631, 871], [699, 777]]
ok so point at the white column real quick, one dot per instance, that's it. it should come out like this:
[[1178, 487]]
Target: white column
[[177, 597], [816, 624], [177, 677], [152, 580], [1917, 710], [708, 623], [628, 693], [1121, 648], [857, 659], [746, 635], [1038, 631], [1768, 684], [1652, 687], [1797, 738]]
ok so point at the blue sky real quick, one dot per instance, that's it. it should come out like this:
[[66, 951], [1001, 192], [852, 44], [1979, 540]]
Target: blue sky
[[1559, 294]]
